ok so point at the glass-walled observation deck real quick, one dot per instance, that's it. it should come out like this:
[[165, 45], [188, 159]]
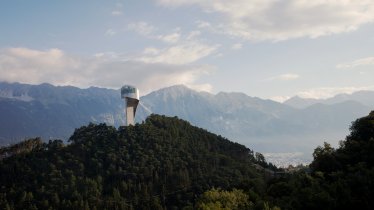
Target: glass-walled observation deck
[[128, 91]]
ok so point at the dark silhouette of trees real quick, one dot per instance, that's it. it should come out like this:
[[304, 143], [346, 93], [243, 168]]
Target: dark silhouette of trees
[[162, 163], [165, 163]]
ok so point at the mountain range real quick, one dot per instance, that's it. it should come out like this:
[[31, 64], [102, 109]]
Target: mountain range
[[365, 97], [298, 125]]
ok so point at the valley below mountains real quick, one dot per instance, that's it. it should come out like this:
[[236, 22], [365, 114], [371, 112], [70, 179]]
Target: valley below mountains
[[285, 132]]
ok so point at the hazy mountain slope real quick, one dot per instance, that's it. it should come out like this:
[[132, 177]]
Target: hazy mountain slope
[[53, 112], [322, 122], [263, 124], [364, 97], [300, 103], [229, 114], [323, 117]]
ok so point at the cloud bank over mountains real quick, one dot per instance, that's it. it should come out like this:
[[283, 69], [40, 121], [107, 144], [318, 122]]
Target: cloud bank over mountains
[[152, 69], [104, 70], [269, 48]]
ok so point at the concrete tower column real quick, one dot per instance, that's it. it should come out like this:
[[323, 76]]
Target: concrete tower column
[[131, 96]]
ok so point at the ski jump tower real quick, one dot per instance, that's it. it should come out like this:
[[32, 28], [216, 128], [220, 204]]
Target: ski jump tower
[[131, 96]]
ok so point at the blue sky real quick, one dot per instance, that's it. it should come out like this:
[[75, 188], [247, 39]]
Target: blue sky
[[266, 48]]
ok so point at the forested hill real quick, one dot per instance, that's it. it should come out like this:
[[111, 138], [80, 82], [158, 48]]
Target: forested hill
[[163, 162]]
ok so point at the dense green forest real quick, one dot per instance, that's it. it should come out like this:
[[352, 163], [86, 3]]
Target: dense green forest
[[161, 163], [165, 163]]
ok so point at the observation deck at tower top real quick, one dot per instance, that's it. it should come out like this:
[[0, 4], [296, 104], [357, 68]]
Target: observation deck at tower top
[[128, 91]]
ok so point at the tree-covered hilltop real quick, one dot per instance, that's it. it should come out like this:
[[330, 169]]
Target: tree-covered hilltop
[[165, 163], [161, 163]]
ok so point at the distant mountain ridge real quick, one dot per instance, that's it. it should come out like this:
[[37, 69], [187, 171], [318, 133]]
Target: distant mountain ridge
[[220, 112], [262, 124], [365, 97], [265, 125], [53, 111]]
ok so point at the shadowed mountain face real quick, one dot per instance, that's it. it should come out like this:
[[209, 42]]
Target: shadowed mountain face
[[267, 126], [53, 112]]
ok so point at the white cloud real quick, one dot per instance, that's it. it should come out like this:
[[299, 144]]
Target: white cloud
[[107, 55], [327, 92], [147, 30], [280, 99], [26, 65], [110, 32], [237, 46], [170, 38], [288, 76], [203, 24], [281, 20], [359, 62], [118, 10], [147, 77], [201, 87], [284, 77], [103, 70], [193, 35], [116, 13], [181, 54], [141, 27], [183, 49], [151, 51]]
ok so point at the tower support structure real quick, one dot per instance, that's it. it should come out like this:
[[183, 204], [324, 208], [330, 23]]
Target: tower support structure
[[131, 96]]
